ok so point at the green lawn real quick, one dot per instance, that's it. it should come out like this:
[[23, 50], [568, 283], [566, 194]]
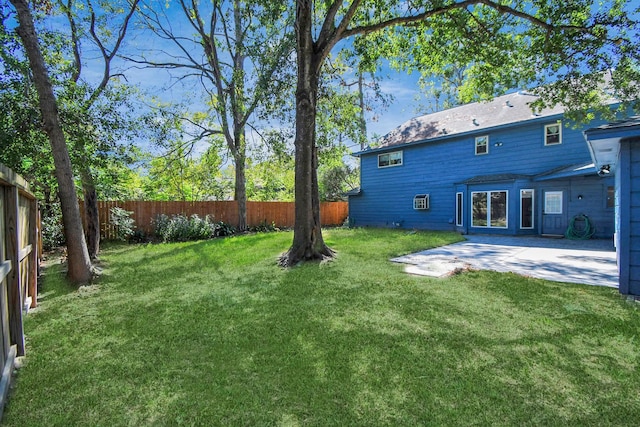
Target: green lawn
[[214, 333]]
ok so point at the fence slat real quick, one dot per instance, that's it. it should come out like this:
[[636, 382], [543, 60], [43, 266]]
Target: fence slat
[[5, 379], [32, 285], [12, 237], [5, 268], [24, 252]]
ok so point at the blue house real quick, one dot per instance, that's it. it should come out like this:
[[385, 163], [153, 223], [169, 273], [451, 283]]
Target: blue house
[[492, 167], [615, 149]]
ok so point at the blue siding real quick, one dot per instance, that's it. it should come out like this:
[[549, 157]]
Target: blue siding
[[617, 215], [440, 168], [634, 218], [623, 173], [627, 194], [593, 203]]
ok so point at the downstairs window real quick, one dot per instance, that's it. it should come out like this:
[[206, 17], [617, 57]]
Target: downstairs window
[[489, 209]]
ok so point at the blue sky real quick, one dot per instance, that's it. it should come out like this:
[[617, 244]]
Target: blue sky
[[402, 86], [161, 83], [404, 89]]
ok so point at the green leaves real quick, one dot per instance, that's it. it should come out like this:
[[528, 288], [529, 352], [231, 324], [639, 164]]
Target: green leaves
[[506, 45]]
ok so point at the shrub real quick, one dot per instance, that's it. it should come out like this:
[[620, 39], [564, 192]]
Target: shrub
[[263, 227], [179, 228], [160, 225], [122, 221], [139, 236], [52, 229], [224, 229]]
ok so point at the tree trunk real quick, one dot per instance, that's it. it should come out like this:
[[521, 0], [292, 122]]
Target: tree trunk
[[237, 95], [308, 243], [91, 214], [241, 189], [79, 264]]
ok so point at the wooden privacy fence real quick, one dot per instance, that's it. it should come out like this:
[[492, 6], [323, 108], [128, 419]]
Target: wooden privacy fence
[[282, 214], [19, 258]]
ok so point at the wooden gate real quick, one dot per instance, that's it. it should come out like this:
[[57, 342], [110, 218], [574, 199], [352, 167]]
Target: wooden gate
[[19, 258]]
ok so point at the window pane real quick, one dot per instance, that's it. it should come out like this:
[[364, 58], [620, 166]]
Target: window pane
[[526, 209], [611, 197], [479, 209], [395, 158], [552, 134], [390, 159], [553, 202], [481, 145], [499, 209], [459, 209]]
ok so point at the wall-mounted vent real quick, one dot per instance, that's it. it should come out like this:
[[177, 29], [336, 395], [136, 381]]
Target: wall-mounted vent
[[421, 202]]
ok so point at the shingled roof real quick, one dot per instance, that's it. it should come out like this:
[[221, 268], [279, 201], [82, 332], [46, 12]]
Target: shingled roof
[[502, 110]]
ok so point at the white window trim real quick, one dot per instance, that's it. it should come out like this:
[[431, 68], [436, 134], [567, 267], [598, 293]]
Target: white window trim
[[533, 208], [476, 145], [460, 208], [389, 153], [559, 124], [547, 193], [488, 193]]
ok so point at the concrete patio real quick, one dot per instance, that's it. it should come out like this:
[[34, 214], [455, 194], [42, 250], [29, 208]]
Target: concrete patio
[[591, 262]]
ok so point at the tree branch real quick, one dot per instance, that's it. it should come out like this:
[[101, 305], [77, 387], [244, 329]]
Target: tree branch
[[504, 9], [403, 20], [106, 55], [75, 42], [330, 35]]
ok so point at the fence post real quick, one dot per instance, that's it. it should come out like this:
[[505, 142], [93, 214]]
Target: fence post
[[33, 256], [12, 225]]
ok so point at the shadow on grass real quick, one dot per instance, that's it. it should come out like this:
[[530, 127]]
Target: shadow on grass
[[214, 333], [53, 282], [390, 357]]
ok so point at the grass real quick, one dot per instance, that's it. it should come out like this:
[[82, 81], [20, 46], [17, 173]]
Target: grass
[[214, 333]]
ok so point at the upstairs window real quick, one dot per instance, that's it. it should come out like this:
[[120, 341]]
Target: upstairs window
[[482, 145], [421, 202], [393, 158], [553, 134]]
